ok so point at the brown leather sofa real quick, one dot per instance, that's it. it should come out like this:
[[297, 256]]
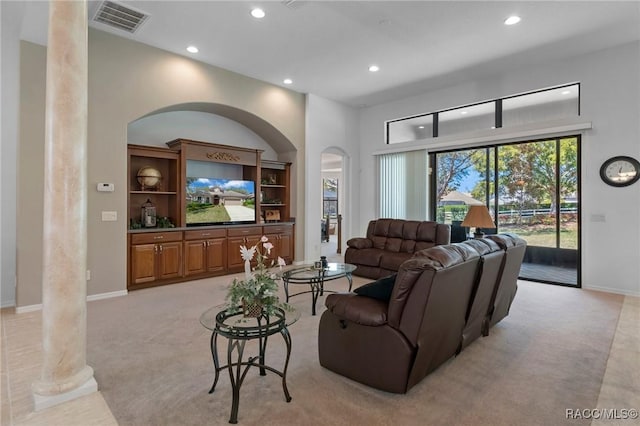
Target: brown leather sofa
[[514, 248], [443, 299], [389, 242]]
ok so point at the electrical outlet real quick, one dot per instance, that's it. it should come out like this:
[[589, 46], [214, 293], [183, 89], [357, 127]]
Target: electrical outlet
[[88, 275]]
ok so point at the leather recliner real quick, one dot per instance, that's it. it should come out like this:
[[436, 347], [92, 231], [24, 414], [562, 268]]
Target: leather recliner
[[392, 346], [514, 248], [488, 277]]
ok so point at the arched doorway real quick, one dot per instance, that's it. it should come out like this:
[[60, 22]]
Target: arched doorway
[[332, 204]]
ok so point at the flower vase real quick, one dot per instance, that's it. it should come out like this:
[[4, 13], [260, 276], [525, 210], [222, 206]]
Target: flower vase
[[251, 310]]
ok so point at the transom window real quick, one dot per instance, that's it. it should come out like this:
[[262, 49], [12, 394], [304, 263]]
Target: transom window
[[541, 105]]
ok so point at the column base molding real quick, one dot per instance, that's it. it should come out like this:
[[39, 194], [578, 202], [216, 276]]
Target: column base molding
[[42, 401]]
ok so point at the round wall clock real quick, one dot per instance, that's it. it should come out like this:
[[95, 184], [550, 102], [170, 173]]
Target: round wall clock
[[620, 171]]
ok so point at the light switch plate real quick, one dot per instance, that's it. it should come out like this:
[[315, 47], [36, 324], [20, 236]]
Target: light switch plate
[[106, 187], [109, 216]]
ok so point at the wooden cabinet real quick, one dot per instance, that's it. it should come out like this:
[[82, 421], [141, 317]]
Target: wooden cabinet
[[247, 236], [281, 236], [168, 254], [155, 257], [275, 191], [205, 251]]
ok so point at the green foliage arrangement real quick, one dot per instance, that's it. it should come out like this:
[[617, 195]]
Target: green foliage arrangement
[[260, 286]]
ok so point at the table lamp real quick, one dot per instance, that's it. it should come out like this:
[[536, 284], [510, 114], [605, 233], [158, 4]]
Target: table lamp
[[478, 217]]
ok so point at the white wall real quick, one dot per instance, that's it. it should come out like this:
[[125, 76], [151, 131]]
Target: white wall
[[610, 99], [160, 128], [129, 80], [11, 16], [330, 126]]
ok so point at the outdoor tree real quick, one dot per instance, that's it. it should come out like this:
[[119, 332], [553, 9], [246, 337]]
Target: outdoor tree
[[526, 173], [452, 168]]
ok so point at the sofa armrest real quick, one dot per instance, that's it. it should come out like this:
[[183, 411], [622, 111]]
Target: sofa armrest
[[358, 309], [360, 243], [443, 234]]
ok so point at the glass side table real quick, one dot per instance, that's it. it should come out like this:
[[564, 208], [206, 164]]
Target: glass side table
[[238, 330], [315, 279]]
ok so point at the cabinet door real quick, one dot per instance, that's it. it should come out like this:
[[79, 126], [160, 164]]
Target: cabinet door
[[143, 263], [195, 253], [286, 246], [170, 265], [275, 251], [217, 255], [234, 259]]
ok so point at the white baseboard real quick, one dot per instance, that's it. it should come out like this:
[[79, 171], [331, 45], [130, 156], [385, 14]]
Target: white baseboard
[[93, 297], [107, 295], [613, 290], [28, 308]]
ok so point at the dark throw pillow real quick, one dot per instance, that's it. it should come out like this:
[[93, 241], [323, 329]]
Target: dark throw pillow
[[380, 289]]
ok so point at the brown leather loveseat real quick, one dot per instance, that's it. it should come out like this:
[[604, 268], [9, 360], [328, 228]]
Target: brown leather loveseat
[[389, 242], [442, 299]]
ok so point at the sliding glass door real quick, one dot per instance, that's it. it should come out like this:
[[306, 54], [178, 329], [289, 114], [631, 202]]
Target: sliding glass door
[[531, 189]]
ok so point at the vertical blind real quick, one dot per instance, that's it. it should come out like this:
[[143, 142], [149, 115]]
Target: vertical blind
[[403, 185]]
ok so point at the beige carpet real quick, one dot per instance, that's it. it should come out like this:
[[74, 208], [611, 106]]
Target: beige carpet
[[153, 364]]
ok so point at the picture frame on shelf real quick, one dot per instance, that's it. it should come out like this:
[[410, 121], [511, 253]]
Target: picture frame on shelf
[[272, 215]]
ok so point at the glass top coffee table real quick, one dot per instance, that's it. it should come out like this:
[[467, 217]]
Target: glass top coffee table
[[315, 278], [238, 330]]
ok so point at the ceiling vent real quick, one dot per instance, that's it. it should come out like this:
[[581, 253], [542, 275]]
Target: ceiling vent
[[120, 16]]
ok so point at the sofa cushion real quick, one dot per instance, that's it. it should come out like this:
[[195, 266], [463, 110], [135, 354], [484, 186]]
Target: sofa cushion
[[366, 257], [380, 289], [360, 243]]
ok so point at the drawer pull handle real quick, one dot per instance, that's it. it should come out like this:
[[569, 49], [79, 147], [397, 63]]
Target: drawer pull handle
[[158, 237], [206, 235]]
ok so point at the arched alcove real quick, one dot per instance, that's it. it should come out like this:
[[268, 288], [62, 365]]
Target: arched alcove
[[260, 127]]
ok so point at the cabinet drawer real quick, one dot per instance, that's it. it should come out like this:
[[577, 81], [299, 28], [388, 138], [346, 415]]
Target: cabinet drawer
[[243, 232], [155, 237], [204, 234], [278, 229]]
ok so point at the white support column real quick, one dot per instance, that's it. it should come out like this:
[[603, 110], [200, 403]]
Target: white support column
[[65, 374]]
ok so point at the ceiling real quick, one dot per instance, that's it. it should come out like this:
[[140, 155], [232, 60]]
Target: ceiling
[[326, 47]]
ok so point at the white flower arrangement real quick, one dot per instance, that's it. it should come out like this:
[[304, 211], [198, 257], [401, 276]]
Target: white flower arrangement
[[259, 287]]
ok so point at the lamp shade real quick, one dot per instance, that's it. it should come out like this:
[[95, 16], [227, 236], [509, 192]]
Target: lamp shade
[[479, 217]]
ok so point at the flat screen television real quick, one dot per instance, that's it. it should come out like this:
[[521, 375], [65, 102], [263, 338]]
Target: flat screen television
[[213, 201]]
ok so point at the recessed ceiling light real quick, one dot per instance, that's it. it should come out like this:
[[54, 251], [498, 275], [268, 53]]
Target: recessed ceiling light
[[566, 92], [287, 81], [463, 112], [512, 20], [420, 127], [257, 13], [192, 49], [374, 68]]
